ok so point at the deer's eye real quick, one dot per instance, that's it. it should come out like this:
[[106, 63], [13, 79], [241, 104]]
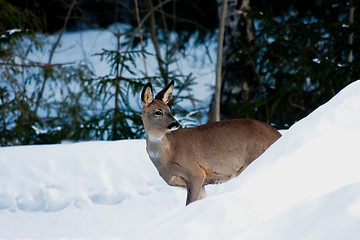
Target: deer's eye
[[158, 113]]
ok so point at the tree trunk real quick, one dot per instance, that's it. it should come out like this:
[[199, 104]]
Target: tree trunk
[[214, 114], [238, 74], [117, 90], [351, 37]]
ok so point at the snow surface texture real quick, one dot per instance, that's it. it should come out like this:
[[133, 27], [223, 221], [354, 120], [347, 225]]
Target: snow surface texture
[[306, 186]]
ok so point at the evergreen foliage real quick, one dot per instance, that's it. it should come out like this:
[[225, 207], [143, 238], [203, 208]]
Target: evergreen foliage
[[48, 103], [304, 52], [303, 57], [30, 115]]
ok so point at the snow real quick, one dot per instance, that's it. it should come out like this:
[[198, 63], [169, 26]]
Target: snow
[[305, 186], [84, 189]]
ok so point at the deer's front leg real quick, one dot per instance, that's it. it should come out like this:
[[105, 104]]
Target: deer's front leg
[[195, 190]]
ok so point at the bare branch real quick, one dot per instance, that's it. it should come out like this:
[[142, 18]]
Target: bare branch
[[35, 64], [52, 51], [141, 38]]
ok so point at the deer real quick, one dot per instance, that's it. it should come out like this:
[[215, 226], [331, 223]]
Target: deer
[[194, 157]]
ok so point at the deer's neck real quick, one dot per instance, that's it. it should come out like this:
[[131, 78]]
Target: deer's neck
[[154, 138], [157, 147]]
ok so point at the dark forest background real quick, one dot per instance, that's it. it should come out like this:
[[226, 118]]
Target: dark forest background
[[281, 60]]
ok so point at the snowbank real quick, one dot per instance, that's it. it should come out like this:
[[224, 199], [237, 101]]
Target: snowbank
[[306, 186], [83, 189]]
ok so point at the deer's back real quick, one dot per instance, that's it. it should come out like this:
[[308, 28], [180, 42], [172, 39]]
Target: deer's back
[[223, 149]]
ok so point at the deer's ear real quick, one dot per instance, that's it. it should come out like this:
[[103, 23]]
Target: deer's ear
[[165, 94], [147, 95]]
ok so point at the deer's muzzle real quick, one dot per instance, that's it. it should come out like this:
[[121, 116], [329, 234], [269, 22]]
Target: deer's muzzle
[[173, 126]]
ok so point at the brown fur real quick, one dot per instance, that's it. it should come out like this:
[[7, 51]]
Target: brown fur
[[207, 154]]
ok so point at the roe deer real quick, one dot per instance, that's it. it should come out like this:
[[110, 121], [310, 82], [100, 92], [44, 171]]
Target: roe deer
[[197, 156]]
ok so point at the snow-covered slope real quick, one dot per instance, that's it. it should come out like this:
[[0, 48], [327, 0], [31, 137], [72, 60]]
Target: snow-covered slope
[[86, 189], [306, 186]]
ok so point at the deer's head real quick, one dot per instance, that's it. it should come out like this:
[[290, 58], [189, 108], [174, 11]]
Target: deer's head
[[156, 116]]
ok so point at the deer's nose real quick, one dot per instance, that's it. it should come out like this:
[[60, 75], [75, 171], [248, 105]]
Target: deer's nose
[[173, 126]]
